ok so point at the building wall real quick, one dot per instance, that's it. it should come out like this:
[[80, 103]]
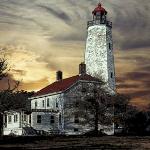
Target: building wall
[[47, 106], [42, 102], [110, 60], [15, 126], [12, 127], [98, 56], [77, 94], [45, 124]]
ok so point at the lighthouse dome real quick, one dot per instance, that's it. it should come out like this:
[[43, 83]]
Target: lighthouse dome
[[99, 10]]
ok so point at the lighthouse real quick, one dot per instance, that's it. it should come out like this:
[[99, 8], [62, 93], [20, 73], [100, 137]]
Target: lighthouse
[[99, 58]]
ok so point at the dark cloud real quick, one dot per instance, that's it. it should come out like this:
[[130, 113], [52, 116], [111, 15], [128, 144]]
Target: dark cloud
[[145, 68], [140, 94], [58, 13], [132, 23], [138, 76], [46, 22], [131, 19], [127, 86], [139, 59]]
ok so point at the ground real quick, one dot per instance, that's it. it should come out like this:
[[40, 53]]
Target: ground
[[102, 143]]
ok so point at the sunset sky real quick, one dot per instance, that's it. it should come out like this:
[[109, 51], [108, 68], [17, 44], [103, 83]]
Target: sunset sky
[[39, 37]]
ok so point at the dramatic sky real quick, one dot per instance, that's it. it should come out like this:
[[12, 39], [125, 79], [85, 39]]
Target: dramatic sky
[[39, 37]]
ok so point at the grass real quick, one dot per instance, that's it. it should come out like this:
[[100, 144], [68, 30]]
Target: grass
[[76, 142]]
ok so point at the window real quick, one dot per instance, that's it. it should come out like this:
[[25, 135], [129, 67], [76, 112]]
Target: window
[[83, 90], [9, 119], [35, 104], [48, 102], [76, 118], [111, 75], [95, 91], [52, 119], [15, 118], [76, 129], [59, 118], [43, 103], [56, 104], [39, 118], [5, 123], [76, 104], [30, 119], [25, 117], [109, 46]]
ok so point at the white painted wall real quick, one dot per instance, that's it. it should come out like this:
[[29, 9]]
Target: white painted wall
[[56, 102], [53, 99], [12, 127], [15, 127]]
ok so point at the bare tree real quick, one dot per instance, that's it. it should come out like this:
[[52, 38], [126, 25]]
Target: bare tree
[[93, 106], [3, 68]]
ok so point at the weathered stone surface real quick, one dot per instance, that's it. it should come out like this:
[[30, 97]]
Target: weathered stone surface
[[99, 56]]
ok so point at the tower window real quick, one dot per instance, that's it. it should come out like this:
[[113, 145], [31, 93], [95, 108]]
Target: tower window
[[109, 46], [39, 118], [111, 75]]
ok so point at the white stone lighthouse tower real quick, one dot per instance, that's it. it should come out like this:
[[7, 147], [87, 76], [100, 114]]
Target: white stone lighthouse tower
[[99, 57]]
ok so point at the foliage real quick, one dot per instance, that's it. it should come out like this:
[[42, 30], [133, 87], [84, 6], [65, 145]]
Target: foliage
[[14, 100], [132, 120]]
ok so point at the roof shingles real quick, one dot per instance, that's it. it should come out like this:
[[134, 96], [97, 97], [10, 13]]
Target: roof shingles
[[64, 84]]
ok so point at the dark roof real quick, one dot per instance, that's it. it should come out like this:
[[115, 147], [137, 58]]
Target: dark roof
[[64, 84]]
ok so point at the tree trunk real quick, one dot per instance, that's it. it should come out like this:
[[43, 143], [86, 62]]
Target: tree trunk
[[96, 119]]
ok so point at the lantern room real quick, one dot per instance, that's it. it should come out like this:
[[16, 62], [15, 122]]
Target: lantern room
[[99, 17]]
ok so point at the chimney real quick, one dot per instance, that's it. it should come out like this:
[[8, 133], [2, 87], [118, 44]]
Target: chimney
[[59, 75], [82, 68]]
